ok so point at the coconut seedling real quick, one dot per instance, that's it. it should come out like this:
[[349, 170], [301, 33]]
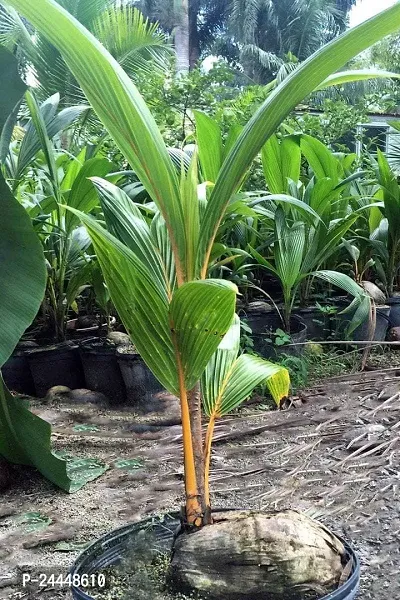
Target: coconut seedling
[[157, 274]]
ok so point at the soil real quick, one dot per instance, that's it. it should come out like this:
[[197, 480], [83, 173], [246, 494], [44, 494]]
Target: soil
[[333, 453]]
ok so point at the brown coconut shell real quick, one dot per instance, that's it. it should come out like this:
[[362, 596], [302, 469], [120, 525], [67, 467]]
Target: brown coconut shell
[[247, 555]]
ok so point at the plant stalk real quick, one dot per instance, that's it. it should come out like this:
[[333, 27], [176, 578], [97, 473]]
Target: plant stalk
[[193, 508], [207, 460], [194, 403]]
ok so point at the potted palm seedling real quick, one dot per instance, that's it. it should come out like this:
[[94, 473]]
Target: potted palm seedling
[[387, 223], [45, 178], [183, 324], [309, 222]]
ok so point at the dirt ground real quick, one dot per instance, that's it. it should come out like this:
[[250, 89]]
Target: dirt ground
[[335, 454]]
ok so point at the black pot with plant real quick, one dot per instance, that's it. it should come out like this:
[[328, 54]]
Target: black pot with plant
[[138, 557], [59, 364], [140, 383], [101, 369], [17, 373], [275, 340]]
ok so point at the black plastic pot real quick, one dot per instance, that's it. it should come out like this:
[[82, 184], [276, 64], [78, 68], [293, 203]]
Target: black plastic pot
[[361, 333], [259, 316], [17, 374], [140, 383], [394, 303], [102, 372], [381, 327], [111, 549], [319, 326], [56, 365], [264, 344]]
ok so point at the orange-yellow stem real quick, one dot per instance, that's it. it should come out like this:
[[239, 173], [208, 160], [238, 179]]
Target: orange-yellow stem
[[193, 506], [194, 511], [207, 459]]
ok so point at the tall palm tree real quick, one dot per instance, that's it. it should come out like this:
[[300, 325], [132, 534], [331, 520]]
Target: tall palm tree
[[266, 31], [260, 32], [207, 19], [137, 44]]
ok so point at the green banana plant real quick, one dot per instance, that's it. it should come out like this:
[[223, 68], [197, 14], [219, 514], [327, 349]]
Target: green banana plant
[[177, 330], [24, 437]]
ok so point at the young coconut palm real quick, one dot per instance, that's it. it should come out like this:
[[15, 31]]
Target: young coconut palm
[[178, 328], [305, 240]]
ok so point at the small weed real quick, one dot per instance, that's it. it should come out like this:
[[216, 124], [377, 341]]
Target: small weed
[[279, 337], [316, 365], [246, 340]]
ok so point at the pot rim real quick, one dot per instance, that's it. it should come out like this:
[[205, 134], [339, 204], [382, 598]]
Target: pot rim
[[50, 349], [71, 326], [133, 356]]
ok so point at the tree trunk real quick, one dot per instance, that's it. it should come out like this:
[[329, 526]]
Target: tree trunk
[[194, 401], [182, 45], [194, 42]]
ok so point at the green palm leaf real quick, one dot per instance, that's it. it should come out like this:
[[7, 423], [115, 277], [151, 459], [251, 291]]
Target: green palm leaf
[[140, 300], [163, 243], [320, 158], [248, 372], [281, 162], [135, 42], [229, 380], [126, 222], [201, 313], [54, 123], [191, 326], [191, 212], [356, 75], [289, 247], [361, 303], [219, 367], [129, 121], [82, 194], [209, 141], [308, 213]]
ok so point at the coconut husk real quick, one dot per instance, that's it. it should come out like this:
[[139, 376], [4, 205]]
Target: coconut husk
[[248, 555], [374, 292]]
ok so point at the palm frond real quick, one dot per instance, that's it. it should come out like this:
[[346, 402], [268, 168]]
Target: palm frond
[[135, 42], [14, 33], [86, 11], [268, 60]]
